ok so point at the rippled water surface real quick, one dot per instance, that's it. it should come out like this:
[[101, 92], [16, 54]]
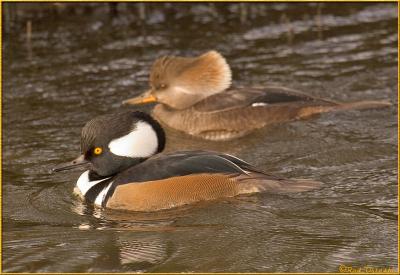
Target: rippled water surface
[[80, 66]]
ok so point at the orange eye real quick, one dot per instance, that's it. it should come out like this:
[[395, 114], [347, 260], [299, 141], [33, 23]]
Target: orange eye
[[97, 151]]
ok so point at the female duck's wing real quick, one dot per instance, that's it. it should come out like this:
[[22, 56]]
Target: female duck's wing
[[269, 95]]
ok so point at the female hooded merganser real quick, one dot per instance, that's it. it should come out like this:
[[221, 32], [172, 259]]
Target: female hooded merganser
[[127, 172], [193, 98]]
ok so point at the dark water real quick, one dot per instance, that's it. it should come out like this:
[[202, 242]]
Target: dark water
[[77, 67]]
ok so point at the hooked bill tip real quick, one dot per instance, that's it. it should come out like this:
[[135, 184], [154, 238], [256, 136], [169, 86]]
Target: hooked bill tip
[[80, 161], [142, 99], [54, 170]]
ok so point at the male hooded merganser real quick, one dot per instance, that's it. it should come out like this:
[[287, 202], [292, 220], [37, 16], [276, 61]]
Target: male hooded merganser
[[127, 172], [193, 98]]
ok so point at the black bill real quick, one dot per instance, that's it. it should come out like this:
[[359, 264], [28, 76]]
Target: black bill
[[79, 161]]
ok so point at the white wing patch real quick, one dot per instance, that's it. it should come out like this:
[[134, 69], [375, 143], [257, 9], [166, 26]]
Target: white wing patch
[[140, 143], [257, 104]]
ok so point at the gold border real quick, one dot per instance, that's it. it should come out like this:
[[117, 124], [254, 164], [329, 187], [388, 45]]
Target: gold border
[[197, 1], [190, 1], [398, 132], [1, 137]]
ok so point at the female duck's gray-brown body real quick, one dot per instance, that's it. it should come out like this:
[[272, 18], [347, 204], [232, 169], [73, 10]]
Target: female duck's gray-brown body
[[194, 98]]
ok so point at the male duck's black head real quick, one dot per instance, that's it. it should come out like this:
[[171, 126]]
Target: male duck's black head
[[112, 143]]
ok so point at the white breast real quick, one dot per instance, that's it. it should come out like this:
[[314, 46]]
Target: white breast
[[84, 184]]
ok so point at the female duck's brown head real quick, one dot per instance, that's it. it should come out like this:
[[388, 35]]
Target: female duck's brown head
[[181, 82]]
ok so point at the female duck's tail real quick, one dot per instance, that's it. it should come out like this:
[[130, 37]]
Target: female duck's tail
[[361, 105], [337, 106]]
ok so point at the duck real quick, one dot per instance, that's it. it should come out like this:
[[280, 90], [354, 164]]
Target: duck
[[194, 96], [125, 168]]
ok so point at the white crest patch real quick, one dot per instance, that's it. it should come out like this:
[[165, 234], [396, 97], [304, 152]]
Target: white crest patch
[[140, 143]]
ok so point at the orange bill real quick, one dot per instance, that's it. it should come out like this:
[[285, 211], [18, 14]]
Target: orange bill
[[144, 98]]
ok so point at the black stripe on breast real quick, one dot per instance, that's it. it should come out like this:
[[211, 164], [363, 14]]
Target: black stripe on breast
[[95, 190], [109, 194]]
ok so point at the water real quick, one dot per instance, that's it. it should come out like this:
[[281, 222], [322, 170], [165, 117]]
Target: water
[[77, 67]]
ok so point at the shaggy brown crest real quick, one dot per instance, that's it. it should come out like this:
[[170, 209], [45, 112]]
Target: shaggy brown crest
[[180, 82]]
